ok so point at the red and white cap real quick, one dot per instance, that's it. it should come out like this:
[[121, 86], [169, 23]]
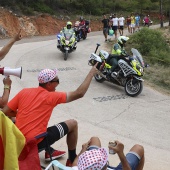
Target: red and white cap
[[94, 159], [47, 75]]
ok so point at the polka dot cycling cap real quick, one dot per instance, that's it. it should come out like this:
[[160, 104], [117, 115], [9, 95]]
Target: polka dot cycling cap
[[47, 75], [94, 159]]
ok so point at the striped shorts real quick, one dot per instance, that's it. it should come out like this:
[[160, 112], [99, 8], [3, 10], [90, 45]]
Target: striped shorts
[[55, 133]]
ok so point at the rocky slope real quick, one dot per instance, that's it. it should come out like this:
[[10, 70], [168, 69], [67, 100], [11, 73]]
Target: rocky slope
[[42, 24]]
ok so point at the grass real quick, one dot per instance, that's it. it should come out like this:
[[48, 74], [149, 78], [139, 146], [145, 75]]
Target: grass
[[158, 77]]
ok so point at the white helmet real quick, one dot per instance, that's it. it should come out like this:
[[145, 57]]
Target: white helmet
[[122, 39]]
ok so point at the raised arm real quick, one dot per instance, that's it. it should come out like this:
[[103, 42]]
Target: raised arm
[[8, 46], [81, 90]]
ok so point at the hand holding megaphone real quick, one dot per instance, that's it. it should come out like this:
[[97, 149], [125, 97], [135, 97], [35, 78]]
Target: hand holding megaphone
[[7, 81], [6, 71]]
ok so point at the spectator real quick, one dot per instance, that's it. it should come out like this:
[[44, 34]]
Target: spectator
[[128, 23], [105, 22], [33, 107], [137, 21], [115, 24], [121, 24], [7, 81], [134, 159], [92, 155], [132, 26], [146, 20]]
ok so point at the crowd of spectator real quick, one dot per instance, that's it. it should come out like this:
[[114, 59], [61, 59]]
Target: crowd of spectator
[[117, 23]]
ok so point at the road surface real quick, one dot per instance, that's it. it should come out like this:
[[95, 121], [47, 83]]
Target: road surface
[[105, 111]]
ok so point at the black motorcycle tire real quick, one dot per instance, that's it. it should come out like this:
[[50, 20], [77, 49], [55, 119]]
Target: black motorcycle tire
[[78, 38], [99, 78], [133, 87], [84, 36], [66, 55]]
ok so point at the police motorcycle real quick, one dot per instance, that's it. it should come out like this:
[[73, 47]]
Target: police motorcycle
[[129, 71], [66, 41]]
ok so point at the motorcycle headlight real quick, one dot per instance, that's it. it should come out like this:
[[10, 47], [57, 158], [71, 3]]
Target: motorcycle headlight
[[67, 42], [141, 70]]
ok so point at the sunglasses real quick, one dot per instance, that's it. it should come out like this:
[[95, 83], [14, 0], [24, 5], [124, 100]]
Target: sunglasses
[[57, 81]]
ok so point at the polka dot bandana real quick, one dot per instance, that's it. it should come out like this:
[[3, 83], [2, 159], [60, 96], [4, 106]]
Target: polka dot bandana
[[47, 75], [94, 159]]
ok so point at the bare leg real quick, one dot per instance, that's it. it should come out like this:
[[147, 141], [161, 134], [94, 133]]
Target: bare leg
[[120, 32], [72, 135], [140, 151], [115, 34], [95, 141], [129, 29]]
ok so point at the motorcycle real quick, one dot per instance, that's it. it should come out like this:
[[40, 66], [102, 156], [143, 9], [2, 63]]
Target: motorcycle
[[66, 42], [129, 71], [81, 30]]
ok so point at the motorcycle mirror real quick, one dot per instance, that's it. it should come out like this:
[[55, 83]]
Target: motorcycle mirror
[[97, 47], [146, 65]]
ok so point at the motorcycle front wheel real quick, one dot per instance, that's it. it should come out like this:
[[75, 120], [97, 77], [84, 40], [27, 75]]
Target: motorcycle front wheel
[[66, 55], [99, 78], [133, 87]]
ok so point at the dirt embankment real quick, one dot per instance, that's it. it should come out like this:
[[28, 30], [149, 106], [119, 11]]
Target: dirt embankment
[[42, 24]]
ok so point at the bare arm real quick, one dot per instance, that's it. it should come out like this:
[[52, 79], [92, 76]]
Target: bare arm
[[81, 90], [7, 87], [119, 150], [8, 112], [7, 47]]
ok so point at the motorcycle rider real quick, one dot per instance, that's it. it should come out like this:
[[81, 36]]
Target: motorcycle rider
[[81, 24], [118, 51], [82, 21], [67, 28]]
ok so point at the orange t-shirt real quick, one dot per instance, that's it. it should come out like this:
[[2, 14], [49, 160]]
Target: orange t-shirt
[[35, 106]]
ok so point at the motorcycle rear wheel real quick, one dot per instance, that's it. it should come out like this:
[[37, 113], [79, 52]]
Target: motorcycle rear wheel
[[99, 78], [84, 36], [133, 87], [66, 55]]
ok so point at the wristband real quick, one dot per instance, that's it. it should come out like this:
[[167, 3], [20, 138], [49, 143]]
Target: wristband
[[7, 87]]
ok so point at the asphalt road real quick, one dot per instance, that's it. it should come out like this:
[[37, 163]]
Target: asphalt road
[[105, 111]]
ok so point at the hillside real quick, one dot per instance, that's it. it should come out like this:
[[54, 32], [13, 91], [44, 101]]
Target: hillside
[[41, 24]]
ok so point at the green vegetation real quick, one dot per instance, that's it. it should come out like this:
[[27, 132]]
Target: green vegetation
[[92, 7], [156, 52], [152, 44]]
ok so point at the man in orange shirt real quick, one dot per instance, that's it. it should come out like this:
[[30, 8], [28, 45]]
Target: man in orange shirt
[[33, 107]]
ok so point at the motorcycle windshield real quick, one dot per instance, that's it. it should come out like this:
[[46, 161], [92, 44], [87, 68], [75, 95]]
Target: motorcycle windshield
[[138, 56], [68, 35]]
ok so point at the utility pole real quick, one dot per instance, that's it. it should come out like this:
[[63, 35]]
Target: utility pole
[[161, 15]]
